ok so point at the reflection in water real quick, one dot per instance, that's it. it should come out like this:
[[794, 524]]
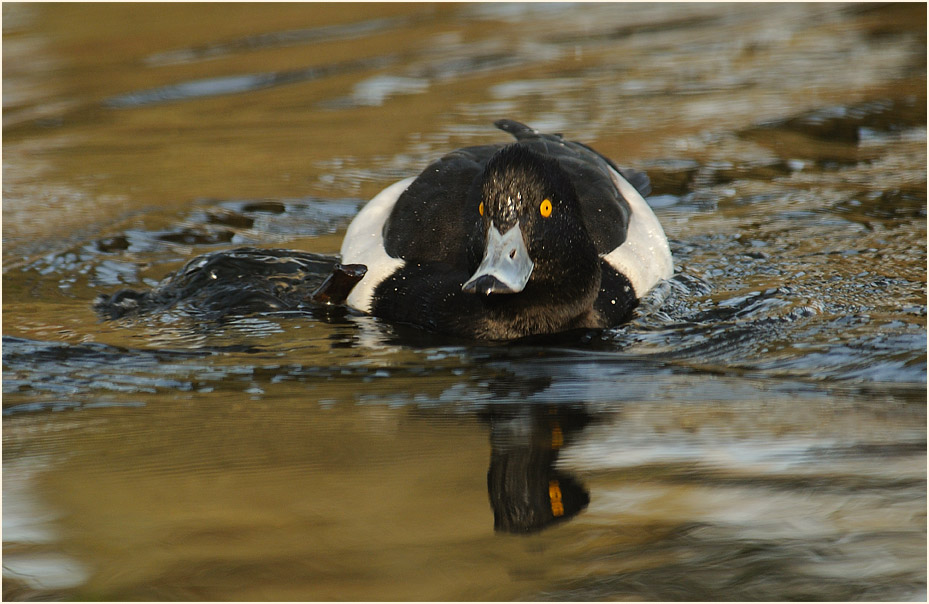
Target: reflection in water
[[526, 491]]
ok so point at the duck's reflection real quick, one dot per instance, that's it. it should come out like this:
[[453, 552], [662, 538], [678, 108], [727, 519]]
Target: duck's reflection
[[526, 492]]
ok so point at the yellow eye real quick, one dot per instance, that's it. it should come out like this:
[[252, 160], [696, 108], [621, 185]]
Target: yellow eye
[[546, 208], [480, 208]]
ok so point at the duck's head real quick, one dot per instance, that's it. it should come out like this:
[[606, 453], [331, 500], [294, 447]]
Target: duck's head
[[535, 242]]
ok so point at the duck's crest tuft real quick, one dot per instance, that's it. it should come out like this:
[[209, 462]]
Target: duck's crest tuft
[[519, 130]]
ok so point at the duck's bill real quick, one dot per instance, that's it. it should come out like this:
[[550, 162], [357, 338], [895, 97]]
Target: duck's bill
[[506, 266]]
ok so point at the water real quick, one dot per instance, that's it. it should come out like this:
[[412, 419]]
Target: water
[[757, 432]]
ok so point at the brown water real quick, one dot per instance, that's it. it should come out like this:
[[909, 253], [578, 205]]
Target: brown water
[[757, 432]]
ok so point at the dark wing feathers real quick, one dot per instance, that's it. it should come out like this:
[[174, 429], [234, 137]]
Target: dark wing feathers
[[432, 216], [637, 179]]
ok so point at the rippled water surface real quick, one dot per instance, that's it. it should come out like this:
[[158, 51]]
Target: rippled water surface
[[757, 432]]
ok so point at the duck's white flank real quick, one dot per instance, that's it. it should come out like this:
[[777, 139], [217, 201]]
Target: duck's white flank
[[645, 257], [364, 244]]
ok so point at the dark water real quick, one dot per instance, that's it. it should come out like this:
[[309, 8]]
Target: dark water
[[757, 432]]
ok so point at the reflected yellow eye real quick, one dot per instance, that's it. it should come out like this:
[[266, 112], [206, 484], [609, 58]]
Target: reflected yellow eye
[[554, 495], [480, 208], [546, 208]]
